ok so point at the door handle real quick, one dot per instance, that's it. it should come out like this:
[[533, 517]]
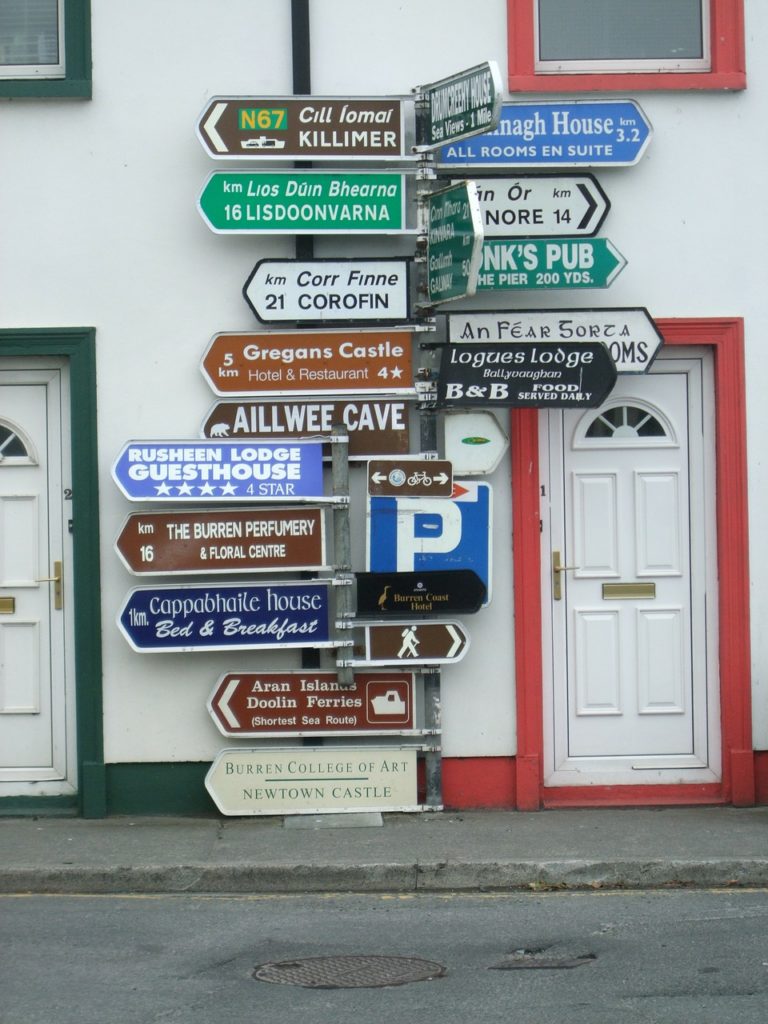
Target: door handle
[[557, 569], [58, 594]]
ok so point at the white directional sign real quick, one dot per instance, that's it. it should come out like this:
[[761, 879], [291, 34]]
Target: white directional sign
[[630, 335], [333, 291], [474, 442], [540, 206]]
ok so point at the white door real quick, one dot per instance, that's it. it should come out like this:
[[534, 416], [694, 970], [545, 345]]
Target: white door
[[631, 692], [37, 720]]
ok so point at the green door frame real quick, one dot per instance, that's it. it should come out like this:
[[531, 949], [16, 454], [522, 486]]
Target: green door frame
[[78, 346]]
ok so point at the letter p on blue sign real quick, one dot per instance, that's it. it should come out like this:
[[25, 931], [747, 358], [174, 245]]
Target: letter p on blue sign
[[420, 534]]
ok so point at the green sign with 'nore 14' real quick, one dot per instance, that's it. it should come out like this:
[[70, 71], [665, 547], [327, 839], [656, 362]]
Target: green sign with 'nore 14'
[[304, 202]]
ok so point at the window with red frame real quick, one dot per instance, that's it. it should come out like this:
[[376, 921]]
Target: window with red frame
[[590, 45]]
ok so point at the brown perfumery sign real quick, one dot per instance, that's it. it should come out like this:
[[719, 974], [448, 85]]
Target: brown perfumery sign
[[299, 127], [224, 540], [375, 427], [291, 703], [320, 362]]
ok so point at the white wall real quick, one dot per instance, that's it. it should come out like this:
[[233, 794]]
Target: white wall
[[99, 199]]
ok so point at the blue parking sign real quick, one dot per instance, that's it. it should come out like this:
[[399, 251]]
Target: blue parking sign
[[418, 534]]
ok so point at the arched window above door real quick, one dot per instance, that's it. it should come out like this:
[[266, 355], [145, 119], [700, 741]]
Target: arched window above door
[[14, 448], [625, 423]]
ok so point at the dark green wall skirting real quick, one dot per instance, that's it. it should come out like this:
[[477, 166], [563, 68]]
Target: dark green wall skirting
[[176, 788]]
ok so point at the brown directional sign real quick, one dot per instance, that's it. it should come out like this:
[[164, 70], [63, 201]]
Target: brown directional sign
[[375, 426], [222, 541], [410, 478], [293, 703], [414, 643], [319, 362], [301, 127], [419, 593]]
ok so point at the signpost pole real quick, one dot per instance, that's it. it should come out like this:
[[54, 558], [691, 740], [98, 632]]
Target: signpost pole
[[342, 548]]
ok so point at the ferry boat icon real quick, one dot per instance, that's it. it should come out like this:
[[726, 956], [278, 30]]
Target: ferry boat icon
[[262, 142]]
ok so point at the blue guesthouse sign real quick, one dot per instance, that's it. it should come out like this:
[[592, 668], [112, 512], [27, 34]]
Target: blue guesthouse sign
[[578, 133], [218, 470], [224, 618]]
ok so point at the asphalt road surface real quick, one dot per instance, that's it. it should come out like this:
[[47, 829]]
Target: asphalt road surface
[[545, 958]]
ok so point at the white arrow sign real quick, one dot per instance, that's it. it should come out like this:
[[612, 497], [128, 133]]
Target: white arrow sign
[[630, 335], [334, 291], [540, 206]]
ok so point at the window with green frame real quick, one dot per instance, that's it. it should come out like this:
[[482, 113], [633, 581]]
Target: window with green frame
[[45, 48]]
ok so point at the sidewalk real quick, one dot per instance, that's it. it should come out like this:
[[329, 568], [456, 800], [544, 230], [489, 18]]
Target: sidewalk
[[407, 853]]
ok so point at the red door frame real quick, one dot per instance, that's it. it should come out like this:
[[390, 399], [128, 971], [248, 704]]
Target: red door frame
[[726, 339]]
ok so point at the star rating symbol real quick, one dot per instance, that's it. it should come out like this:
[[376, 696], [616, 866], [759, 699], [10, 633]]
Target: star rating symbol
[[228, 489], [397, 372], [184, 489], [162, 490], [206, 489]]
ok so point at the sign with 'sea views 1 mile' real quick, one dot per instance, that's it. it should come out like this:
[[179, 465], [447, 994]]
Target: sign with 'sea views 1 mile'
[[458, 106], [224, 540], [295, 703], [311, 363], [301, 127]]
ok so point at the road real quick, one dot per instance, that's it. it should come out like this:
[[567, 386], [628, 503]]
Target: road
[[611, 958]]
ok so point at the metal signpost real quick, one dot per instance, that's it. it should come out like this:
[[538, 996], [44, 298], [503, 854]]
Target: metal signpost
[[329, 290], [549, 263], [630, 334], [304, 202], [524, 375], [321, 362], [531, 205], [415, 478], [375, 426], [306, 703], [458, 106], [223, 541], [302, 128], [454, 591], [557, 133], [454, 242], [221, 470], [314, 780], [413, 643], [227, 617]]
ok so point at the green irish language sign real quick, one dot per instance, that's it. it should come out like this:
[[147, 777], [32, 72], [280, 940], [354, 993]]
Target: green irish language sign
[[549, 263], [303, 202], [454, 242]]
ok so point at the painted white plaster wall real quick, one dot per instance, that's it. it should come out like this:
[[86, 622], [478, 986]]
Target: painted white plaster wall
[[99, 227]]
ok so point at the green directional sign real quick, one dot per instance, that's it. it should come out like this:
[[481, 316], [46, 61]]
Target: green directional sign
[[465, 104], [454, 242], [304, 202], [549, 263]]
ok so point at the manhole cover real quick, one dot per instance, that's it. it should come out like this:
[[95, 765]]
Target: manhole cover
[[349, 971]]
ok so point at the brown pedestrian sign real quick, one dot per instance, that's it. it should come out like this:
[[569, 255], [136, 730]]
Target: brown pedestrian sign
[[322, 362], [294, 703], [302, 127], [413, 643], [410, 478], [374, 426], [223, 541]]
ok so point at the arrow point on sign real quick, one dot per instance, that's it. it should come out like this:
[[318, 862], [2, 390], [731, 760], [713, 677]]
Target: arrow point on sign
[[224, 707], [457, 640], [209, 127], [458, 490], [591, 206]]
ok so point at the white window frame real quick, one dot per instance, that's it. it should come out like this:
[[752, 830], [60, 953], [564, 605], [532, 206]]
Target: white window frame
[[12, 72], [626, 65]]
